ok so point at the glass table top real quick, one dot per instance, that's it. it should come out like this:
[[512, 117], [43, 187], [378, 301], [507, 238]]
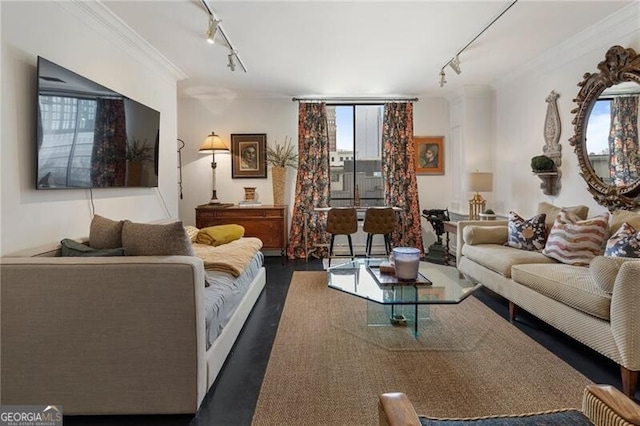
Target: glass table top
[[358, 278]]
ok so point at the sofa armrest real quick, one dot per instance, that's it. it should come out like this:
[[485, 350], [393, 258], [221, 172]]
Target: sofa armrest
[[605, 405], [625, 314], [460, 232], [395, 409], [104, 335]]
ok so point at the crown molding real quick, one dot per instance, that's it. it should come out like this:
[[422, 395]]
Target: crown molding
[[105, 22]]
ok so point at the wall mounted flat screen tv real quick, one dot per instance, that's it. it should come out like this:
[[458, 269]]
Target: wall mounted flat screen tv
[[89, 136]]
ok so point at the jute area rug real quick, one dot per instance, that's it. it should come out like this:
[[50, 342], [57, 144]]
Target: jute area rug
[[327, 367]]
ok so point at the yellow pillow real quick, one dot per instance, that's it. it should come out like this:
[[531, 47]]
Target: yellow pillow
[[220, 234]]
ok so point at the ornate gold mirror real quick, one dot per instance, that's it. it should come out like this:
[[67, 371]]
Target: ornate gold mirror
[[606, 130]]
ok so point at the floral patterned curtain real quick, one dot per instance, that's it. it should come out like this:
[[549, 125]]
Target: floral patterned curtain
[[312, 182], [398, 171], [624, 159], [108, 158]]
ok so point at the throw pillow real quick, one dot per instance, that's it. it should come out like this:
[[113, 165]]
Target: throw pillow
[[142, 239], [624, 243], [527, 234], [552, 212], [619, 217], [604, 270], [220, 234], [72, 248], [105, 233], [575, 241], [474, 235]]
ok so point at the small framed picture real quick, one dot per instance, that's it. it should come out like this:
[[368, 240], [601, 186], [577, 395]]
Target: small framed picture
[[429, 155], [249, 155]]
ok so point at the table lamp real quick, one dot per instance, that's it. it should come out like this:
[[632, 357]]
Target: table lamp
[[478, 182], [212, 144]]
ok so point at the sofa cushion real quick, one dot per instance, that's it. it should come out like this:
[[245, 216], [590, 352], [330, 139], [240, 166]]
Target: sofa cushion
[[143, 239], [485, 234], [552, 212], [105, 233], [619, 217], [604, 270], [624, 243], [72, 248], [576, 242], [568, 284], [527, 234], [500, 258]]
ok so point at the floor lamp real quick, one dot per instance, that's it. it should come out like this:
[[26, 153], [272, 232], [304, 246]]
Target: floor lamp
[[212, 144], [478, 182]]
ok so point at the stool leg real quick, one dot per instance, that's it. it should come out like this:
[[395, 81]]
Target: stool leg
[[331, 248], [350, 245], [368, 245], [387, 244]]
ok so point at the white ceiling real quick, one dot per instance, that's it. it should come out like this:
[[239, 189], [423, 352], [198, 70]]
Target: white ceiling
[[360, 48]]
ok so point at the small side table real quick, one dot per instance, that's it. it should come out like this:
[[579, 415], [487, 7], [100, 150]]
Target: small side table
[[449, 228]]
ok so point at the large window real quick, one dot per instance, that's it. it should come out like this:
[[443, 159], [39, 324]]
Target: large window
[[355, 145]]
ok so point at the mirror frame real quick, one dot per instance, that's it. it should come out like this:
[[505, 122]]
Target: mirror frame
[[619, 65]]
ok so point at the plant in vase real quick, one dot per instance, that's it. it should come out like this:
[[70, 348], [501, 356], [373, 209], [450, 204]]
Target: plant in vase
[[138, 152], [280, 157]]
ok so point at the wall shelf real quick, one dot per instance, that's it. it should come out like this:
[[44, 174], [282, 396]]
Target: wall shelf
[[550, 182]]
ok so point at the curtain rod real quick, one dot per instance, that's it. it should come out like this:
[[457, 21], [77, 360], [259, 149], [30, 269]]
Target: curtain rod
[[354, 100]]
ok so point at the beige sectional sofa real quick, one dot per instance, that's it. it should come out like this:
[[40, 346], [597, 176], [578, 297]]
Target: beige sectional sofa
[[570, 298], [111, 335]]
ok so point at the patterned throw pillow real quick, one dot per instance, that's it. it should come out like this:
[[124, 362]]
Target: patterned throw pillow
[[575, 241], [624, 243], [527, 234]]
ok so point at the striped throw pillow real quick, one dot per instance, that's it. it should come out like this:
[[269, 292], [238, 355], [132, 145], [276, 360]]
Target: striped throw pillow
[[577, 242]]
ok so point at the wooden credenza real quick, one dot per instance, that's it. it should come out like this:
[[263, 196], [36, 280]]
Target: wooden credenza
[[269, 223]]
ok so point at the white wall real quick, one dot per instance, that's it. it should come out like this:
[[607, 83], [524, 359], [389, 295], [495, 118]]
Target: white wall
[[521, 110], [85, 38], [278, 118]]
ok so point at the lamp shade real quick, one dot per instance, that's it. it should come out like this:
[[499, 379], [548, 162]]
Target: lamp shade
[[213, 143], [480, 181]]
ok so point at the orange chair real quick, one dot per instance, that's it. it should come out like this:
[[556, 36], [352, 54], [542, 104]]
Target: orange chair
[[341, 221], [379, 220]]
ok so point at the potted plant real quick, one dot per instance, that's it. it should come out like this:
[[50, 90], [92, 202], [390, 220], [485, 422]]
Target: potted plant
[[487, 214], [138, 152], [542, 164], [280, 157]]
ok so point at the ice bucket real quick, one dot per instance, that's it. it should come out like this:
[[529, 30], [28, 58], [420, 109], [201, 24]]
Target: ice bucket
[[407, 262]]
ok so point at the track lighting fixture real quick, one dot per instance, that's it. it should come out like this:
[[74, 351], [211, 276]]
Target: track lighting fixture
[[213, 30], [455, 65], [442, 80], [232, 64]]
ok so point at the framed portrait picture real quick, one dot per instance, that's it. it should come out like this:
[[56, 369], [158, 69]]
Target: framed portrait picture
[[429, 155], [249, 155]]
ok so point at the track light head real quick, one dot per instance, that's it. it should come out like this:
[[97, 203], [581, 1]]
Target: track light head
[[212, 30], [232, 63], [442, 76], [455, 65]]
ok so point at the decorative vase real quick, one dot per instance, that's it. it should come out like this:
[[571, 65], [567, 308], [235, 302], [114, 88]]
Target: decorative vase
[[278, 175], [249, 193], [134, 173]]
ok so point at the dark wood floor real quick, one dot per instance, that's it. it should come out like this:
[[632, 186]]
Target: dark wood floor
[[233, 397]]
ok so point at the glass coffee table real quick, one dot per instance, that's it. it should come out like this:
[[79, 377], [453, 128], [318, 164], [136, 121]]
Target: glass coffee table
[[436, 285]]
